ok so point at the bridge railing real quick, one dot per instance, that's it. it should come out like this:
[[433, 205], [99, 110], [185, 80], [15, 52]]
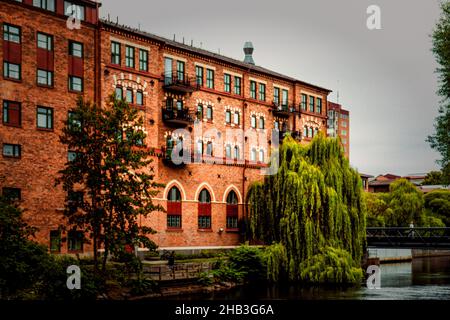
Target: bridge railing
[[409, 237]]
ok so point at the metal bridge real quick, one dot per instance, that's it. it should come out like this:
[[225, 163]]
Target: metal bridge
[[412, 238]]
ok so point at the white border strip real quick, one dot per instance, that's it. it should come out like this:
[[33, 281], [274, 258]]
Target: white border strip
[[129, 43]]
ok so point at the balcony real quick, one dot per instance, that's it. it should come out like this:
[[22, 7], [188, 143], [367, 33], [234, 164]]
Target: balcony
[[179, 82], [283, 111], [174, 163], [177, 118]]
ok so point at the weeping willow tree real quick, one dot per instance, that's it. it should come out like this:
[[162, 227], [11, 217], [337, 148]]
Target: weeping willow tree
[[314, 202]]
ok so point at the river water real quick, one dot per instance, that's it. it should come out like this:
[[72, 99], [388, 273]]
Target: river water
[[423, 278]]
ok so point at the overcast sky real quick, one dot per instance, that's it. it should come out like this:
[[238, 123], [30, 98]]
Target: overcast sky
[[384, 77]]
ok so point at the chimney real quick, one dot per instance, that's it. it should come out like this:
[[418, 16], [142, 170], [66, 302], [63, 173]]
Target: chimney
[[248, 50]]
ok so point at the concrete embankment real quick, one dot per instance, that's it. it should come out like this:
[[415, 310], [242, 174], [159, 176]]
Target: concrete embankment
[[403, 255]]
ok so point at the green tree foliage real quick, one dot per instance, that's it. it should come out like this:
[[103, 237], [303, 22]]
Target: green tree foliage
[[332, 265], [440, 140], [27, 270], [21, 261], [405, 204], [314, 201], [112, 171], [438, 203], [433, 178]]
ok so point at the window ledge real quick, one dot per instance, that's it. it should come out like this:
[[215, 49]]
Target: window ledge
[[45, 129], [204, 230], [174, 230], [12, 125], [232, 230], [12, 79]]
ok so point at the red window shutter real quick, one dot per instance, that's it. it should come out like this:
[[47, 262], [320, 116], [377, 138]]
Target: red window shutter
[[174, 208], [12, 52], [14, 114], [76, 66], [204, 209], [29, 2], [232, 210], [45, 59]]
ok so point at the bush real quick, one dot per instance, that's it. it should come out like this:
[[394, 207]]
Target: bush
[[249, 261], [331, 266]]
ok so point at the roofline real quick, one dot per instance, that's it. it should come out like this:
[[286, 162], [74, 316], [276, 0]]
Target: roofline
[[208, 54]]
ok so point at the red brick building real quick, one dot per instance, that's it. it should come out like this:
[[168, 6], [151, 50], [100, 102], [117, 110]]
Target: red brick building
[[339, 125], [48, 63]]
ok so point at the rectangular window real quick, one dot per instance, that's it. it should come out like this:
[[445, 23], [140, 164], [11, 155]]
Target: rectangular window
[[12, 194], [129, 57], [227, 83], [11, 33], [276, 96], [73, 121], [74, 10], [311, 103], [76, 49], [115, 53], [139, 98], [344, 124], [45, 4], [55, 241], [253, 89], [232, 222], [174, 221], [304, 101], [262, 92], [44, 78], [237, 85], [75, 240], [199, 75], [344, 132], [12, 113], [180, 70], [11, 70], [253, 122], [44, 41], [143, 60], [11, 150], [204, 222], [210, 78], [284, 98], [75, 84], [319, 105], [44, 118]]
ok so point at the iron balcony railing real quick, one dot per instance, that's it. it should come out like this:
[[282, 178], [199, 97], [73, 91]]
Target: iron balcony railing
[[180, 82], [177, 116]]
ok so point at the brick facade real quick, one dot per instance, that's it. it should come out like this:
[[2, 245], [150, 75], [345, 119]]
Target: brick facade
[[339, 125], [42, 155]]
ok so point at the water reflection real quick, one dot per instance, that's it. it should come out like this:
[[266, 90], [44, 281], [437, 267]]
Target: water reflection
[[423, 278]]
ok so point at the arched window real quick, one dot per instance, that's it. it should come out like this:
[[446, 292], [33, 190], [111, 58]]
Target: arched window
[[253, 155], [204, 210], [310, 132], [316, 131], [232, 210], [200, 112], [276, 125], [209, 149], [236, 152], [228, 151], [253, 122], [305, 131], [174, 208], [261, 123], [209, 113], [261, 155]]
